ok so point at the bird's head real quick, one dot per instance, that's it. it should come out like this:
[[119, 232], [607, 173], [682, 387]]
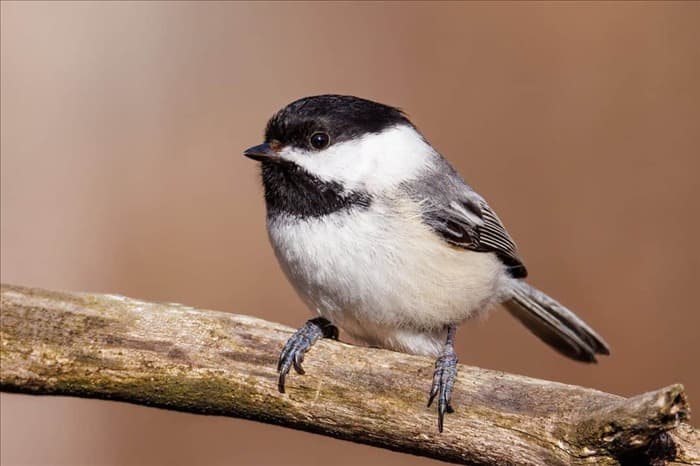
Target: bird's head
[[354, 142]]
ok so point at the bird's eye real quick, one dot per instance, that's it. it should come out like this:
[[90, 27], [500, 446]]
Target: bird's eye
[[319, 140]]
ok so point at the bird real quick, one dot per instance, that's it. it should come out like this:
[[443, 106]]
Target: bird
[[381, 237]]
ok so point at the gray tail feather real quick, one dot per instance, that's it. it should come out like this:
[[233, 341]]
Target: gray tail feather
[[554, 324]]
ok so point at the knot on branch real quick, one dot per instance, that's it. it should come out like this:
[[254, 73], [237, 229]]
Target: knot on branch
[[635, 426]]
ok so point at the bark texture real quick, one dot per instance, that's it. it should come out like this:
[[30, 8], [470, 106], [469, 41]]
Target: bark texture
[[175, 357]]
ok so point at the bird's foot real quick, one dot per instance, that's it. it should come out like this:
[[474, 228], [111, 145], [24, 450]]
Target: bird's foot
[[302, 340], [443, 381]]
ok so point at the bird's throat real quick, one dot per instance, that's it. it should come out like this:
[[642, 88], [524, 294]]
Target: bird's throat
[[291, 190]]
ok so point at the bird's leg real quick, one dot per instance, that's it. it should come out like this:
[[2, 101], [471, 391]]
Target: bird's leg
[[304, 338], [444, 376]]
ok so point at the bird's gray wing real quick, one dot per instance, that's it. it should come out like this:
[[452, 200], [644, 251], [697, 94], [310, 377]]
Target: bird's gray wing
[[461, 216]]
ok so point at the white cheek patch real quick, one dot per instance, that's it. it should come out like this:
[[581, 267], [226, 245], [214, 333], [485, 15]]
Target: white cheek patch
[[373, 163]]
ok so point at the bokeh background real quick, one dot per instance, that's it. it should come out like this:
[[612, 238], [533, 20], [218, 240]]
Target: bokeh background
[[122, 131]]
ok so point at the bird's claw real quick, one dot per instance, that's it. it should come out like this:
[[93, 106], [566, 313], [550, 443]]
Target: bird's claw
[[296, 347], [443, 381]]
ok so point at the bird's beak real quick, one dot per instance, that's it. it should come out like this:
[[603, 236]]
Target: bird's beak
[[261, 152]]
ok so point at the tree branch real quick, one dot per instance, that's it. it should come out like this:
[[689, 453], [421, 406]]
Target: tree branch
[[176, 357]]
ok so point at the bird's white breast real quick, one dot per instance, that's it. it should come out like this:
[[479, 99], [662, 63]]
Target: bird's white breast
[[384, 279]]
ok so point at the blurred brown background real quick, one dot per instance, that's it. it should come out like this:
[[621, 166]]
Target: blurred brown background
[[122, 131]]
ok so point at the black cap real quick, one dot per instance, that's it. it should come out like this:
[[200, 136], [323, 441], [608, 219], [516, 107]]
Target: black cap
[[341, 117]]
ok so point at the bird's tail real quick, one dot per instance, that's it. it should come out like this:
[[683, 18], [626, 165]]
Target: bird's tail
[[554, 324]]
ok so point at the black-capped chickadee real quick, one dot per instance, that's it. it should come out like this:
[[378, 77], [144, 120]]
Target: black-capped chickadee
[[381, 237]]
